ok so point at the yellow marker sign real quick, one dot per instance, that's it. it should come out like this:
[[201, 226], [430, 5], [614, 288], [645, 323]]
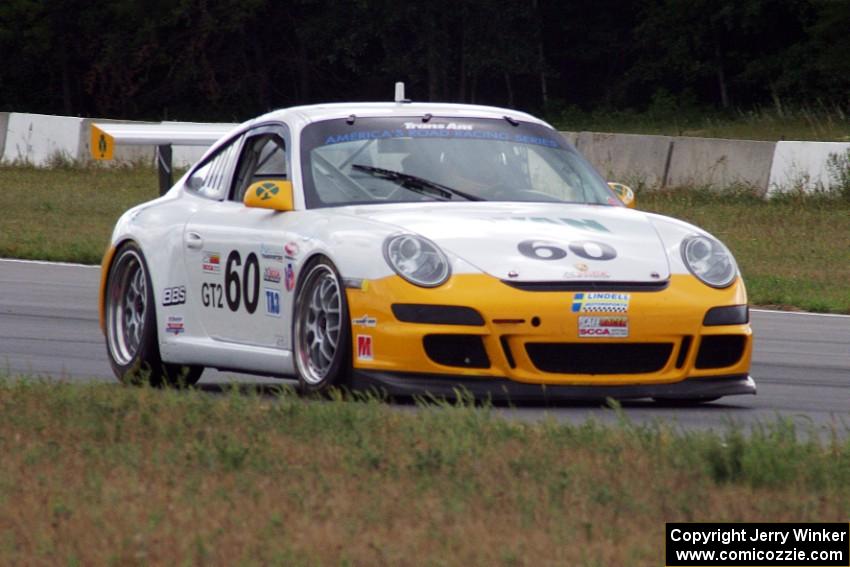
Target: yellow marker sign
[[102, 144]]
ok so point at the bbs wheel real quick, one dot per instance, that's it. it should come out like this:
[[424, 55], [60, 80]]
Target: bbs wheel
[[131, 331], [321, 333]]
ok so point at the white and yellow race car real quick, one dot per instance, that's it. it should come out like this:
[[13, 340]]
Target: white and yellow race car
[[420, 248]]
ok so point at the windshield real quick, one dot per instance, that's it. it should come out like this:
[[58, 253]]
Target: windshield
[[397, 160]]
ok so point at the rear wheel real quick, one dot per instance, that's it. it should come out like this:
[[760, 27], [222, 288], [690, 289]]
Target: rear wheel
[[321, 335], [131, 331]]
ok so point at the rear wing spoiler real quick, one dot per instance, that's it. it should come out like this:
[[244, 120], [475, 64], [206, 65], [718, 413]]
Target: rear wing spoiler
[[105, 136]]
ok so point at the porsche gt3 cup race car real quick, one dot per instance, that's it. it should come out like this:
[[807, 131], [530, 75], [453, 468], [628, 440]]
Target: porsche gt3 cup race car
[[420, 248]]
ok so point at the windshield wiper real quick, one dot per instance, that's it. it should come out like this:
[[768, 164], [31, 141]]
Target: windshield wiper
[[414, 183]]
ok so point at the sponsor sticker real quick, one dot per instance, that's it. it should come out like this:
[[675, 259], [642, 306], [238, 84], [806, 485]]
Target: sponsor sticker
[[364, 347], [271, 275], [365, 321], [601, 302], [211, 262], [583, 271], [612, 326], [289, 275], [272, 302], [270, 252], [436, 126], [290, 250], [174, 325], [174, 296]]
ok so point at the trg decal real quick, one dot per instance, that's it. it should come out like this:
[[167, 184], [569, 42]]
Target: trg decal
[[272, 302]]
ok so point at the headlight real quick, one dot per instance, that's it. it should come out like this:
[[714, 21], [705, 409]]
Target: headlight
[[416, 259], [709, 260]]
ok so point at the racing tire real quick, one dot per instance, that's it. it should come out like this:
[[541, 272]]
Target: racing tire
[[132, 342], [321, 332]]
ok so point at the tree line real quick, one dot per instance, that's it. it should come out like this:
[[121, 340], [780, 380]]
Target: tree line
[[233, 59]]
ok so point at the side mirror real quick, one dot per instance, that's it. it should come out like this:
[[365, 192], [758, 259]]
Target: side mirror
[[195, 182], [624, 192], [275, 194]]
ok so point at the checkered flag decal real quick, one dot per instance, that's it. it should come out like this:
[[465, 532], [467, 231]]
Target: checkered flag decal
[[605, 308]]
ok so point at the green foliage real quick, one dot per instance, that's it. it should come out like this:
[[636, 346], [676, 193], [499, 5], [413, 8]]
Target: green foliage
[[838, 166], [233, 59]]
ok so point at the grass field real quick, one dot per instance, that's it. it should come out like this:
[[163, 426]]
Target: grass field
[[109, 475], [793, 251]]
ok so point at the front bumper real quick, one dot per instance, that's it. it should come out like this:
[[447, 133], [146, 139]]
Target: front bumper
[[536, 338], [502, 389]]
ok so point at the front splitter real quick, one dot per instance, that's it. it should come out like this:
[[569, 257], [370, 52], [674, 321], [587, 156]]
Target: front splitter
[[439, 385]]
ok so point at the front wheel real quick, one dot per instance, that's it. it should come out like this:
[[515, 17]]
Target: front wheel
[[321, 335], [131, 333]]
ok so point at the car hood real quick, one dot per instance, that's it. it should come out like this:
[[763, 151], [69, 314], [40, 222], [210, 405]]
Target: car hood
[[537, 242]]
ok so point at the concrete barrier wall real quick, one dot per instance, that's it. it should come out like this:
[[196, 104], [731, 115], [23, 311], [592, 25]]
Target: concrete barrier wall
[[628, 158], [709, 162], [183, 157], [646, 162], [803, 166], [572, 137], [4, 125], [40, 138]]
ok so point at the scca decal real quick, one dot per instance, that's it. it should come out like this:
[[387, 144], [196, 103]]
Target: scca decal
[[587, 249]]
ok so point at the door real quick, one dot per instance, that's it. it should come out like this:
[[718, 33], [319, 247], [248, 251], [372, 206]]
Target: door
[[235, 255]]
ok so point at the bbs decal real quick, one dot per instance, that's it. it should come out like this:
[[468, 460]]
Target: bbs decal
[[174, 296], [587, 249], [241, 285]]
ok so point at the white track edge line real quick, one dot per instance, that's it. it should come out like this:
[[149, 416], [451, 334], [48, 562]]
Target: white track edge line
[[46, 263], [777, 311]]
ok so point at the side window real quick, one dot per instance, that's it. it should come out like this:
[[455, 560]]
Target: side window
[[212, 179], [264, 156]]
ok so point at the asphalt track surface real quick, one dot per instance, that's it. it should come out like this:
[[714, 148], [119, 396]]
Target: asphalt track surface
[[801, 362]]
